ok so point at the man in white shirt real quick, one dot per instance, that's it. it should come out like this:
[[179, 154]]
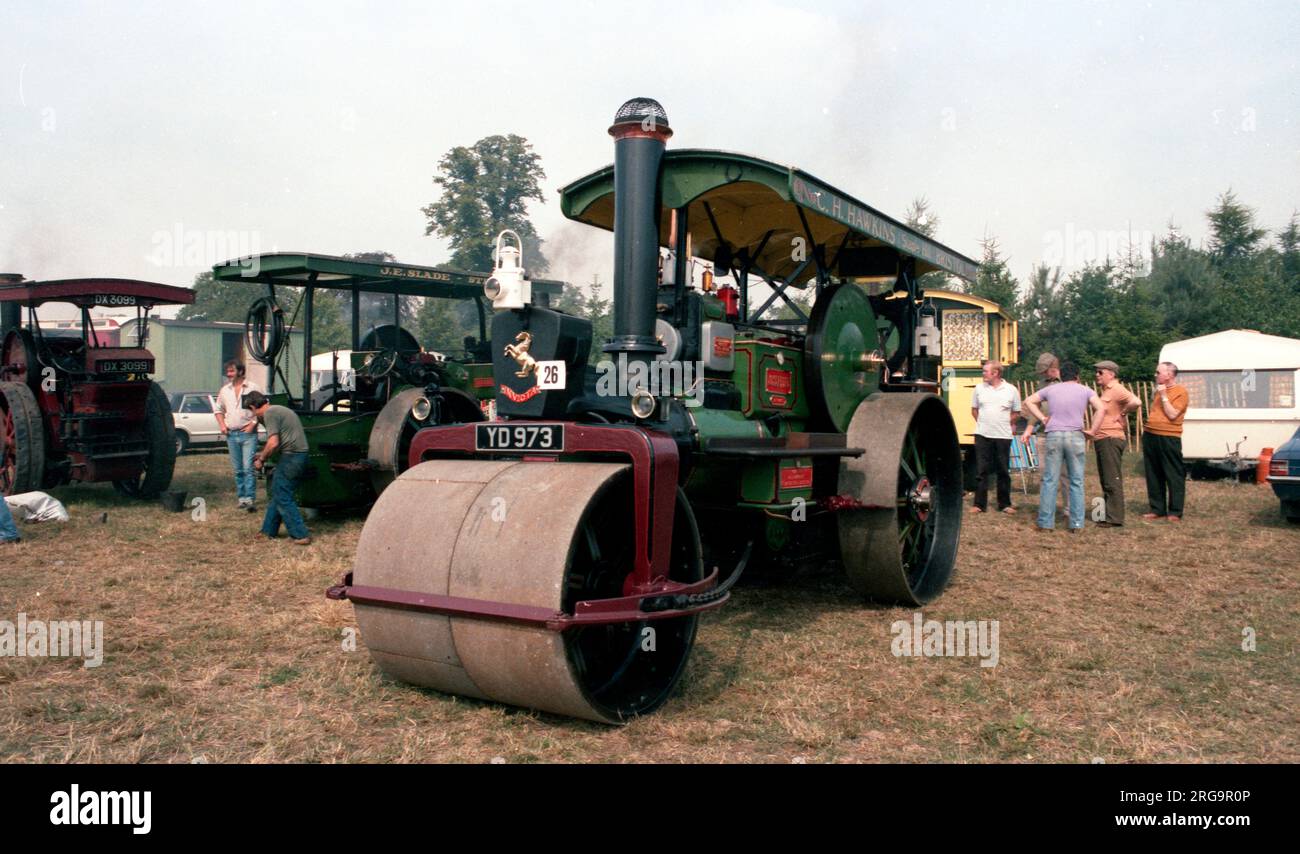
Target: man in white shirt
[[995, 405], [239, 426]]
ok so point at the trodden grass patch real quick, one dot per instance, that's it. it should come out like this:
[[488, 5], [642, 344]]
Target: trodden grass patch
[[1116, 645]]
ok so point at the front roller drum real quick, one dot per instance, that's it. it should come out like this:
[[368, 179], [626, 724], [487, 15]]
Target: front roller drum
[[524, 533], [899, 545]]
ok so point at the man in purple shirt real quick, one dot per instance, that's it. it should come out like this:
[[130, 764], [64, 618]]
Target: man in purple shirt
[[1068, 401]]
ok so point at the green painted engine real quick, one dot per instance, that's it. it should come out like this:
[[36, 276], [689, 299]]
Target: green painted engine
[[764, 400]]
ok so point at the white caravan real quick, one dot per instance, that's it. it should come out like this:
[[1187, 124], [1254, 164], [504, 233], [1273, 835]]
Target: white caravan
[[1241, 388]]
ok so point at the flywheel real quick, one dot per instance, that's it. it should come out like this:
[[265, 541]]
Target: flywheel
[[844, 360]]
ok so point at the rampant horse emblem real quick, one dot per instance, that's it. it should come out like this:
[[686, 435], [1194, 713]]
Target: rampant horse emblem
[[519, 352]]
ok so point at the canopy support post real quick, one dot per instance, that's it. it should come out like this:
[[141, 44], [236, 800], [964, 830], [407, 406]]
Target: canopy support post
[[309, 302]]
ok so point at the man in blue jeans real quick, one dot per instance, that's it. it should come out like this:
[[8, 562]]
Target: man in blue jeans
[[239, 426], [8, 529], [1068, 401], [284, 433]]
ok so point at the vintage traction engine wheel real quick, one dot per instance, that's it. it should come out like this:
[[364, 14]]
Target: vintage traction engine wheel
[[539, 534], [901, 545], [18, 359], [405, 415], [22, 440], [160, 461]]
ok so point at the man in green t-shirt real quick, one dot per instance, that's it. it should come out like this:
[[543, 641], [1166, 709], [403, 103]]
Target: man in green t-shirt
[[284, 433]]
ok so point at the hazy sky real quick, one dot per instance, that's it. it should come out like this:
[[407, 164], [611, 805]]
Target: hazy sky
[[1054, 127]]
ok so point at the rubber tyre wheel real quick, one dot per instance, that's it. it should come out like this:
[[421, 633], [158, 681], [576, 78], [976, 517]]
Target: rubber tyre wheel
[[22, 440], [160, 462], [182, 442]]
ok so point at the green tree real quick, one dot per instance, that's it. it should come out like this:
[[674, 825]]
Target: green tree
[[994, 281], [331, 327], [1042, 318], [1238, 281], [219, 301], [443, 324], [1288, 240], [922, 219], [1182, 284], [570, 300], [486, 188], [599, 311], [1105, 318], [1233, 232]]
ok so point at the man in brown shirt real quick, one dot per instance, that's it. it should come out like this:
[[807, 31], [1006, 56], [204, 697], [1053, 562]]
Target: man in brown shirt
[[1107, 434], [1162, 446]]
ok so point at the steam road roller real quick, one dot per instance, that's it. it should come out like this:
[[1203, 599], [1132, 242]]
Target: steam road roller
[[362, 405], [75, 406], [767, 398]]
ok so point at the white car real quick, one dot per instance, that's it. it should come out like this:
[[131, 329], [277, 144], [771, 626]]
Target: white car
[[195, 419]]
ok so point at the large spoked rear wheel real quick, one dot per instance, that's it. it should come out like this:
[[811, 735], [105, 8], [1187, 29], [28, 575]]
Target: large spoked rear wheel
[[546, 535], [160, 461], [902, 548], [22, 440]]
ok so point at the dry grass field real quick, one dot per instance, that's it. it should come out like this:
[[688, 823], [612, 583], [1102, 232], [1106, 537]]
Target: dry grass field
[[1122, 645]]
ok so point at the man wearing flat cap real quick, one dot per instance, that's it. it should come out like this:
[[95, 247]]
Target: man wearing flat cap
[[1108, 435], [1049, 368]]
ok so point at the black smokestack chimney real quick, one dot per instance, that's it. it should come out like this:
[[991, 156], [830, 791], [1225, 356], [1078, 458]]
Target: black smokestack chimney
[[11, 313], [640, 132]]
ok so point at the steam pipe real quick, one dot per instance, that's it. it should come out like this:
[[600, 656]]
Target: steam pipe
[[640, 132]]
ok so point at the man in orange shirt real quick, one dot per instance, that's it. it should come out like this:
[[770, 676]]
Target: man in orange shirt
[[1162, 446], [1107, 434]]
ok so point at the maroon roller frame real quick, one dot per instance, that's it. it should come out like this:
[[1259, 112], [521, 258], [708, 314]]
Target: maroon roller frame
[[654, 488]]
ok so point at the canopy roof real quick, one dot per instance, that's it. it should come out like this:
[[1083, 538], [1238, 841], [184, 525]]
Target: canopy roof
[[762, 207], [1234, 350], [987, 305], [328, 271], [90, 293]]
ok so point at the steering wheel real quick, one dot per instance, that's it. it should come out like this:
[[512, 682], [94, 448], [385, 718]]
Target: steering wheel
[[380, 365]]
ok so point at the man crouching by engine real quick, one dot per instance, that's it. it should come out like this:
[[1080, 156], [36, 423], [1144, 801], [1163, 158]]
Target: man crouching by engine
[[284, 433]]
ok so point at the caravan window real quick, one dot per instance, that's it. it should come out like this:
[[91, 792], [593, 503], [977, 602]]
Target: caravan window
[[1245, 389]]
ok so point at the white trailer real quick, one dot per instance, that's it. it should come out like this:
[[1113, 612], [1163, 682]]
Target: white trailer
[[1241, 387]]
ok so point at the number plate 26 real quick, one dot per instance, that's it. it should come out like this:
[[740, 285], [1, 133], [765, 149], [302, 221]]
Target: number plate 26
[[546, 438]]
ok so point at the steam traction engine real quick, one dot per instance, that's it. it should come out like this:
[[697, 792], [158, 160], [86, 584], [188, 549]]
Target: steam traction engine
[[559, 557], [73, 408]]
